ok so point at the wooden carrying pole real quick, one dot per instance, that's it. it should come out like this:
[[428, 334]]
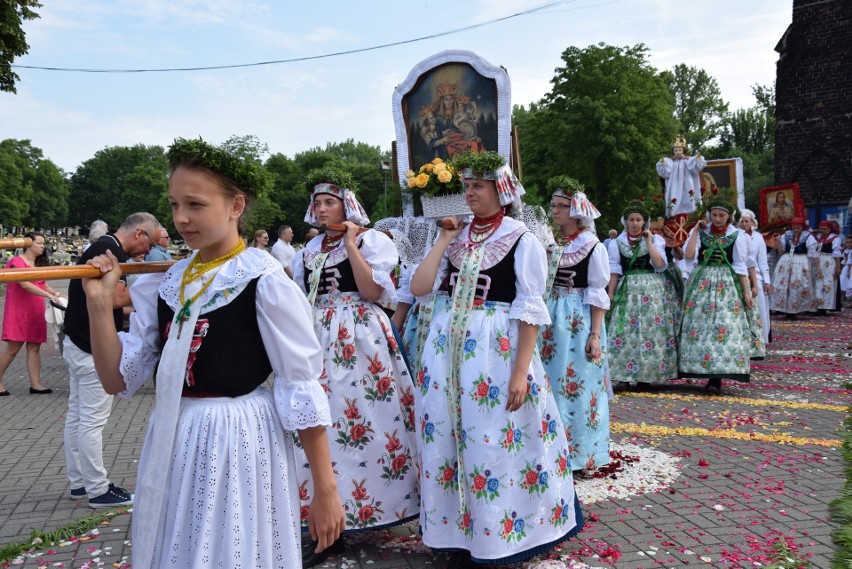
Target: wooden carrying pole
[[16, 243], [77, 272]]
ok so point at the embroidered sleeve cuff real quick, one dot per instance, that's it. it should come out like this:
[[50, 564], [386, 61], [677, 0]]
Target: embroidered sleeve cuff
[[530, 309], [137, 363], [596, 297], [383, 279], [301, 404]]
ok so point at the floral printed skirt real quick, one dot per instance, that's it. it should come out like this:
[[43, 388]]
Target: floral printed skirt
[[578, 383], [371, 396], [718, 334], [502, 489], [794, 287], [642, 333], [826, 284]]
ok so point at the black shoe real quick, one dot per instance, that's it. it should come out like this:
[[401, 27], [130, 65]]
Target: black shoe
[[44, 391], [310, 558], [459, 560], [714, 386]]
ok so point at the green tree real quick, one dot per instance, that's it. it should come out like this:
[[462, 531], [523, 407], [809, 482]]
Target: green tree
[[698, 105], [604, 122], [50, 196], [750, 135], [38, 197], [118, 181], [15, 197], [13, 40]]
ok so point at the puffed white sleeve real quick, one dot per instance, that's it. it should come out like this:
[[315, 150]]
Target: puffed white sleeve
[[741, 254], [286, 325], [140, 346], [660, 246], [812, 246], [693, 262], [403, 293], [595, 294], [836, 249], [664, 167], [762, 261], [697, 163], [297, 267], [382, 256], [530, 282], [614, 257]]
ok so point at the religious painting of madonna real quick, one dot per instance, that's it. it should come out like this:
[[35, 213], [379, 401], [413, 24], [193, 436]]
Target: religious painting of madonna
[[450, 103]]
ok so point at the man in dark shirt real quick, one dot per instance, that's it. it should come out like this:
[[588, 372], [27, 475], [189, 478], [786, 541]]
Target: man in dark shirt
[[89, 406]]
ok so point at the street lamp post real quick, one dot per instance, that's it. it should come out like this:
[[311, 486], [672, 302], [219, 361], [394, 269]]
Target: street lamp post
[[385, 167]]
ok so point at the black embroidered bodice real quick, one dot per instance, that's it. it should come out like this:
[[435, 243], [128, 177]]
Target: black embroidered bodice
[[496, 284], [800, 249], [226, 356], [642, 264], [717, 256], [576, 276], [334, 279]]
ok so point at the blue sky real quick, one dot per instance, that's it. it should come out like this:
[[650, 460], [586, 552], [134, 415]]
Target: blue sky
[[296, 106]]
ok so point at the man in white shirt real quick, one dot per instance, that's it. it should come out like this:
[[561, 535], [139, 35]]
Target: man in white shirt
[[282, 250]]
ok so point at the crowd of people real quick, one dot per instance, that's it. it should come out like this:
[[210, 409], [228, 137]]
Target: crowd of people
[[471, 408]]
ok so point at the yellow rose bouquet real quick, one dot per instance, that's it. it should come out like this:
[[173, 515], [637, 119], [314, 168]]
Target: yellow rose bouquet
[[435, 178]]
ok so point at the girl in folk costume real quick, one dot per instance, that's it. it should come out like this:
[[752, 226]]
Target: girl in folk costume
[[758, 268], [640, 323], [572, 346], [217, 476], [720, 330], [793, 285], [496, 480], [829, 248], [846, 269], [369, 389]]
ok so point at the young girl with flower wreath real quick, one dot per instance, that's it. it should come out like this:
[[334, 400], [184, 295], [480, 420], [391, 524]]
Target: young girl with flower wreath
[[720, 330], [573, 345], [369, 389], [495, 478], [217, 476], [641, 322]]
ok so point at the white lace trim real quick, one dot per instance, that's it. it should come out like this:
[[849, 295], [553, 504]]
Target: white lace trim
[[573, 253], [384, 280], [137, 363], [233, 275], [530, 309], [596, 297], [301, 404], [496, 248]]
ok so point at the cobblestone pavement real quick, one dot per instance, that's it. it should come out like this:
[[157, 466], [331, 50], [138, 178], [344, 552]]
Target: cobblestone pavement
[[695, 480]]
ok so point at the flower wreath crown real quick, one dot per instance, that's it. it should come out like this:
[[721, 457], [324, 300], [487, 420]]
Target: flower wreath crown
[[195, 153], [330, 175]]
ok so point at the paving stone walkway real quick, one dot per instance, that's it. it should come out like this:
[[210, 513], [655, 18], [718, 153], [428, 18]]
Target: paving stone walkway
[[695, 480]]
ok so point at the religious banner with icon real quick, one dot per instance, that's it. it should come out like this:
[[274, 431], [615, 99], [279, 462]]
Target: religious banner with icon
[[778, 205], [450, 103]]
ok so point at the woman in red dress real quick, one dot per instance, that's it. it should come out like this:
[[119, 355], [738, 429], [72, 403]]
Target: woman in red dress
[[23, 315]]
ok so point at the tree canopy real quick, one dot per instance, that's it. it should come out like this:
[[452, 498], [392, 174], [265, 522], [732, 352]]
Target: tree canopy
[[13, 40], [698, 105], [33, 190], [605, 122]]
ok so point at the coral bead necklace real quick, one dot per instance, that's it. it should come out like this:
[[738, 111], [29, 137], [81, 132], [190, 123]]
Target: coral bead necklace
[[484, 227]]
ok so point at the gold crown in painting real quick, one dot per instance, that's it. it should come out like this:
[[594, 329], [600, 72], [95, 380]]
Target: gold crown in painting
[[446, 89]]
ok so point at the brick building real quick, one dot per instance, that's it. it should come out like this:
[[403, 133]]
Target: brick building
[[813, 136]]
